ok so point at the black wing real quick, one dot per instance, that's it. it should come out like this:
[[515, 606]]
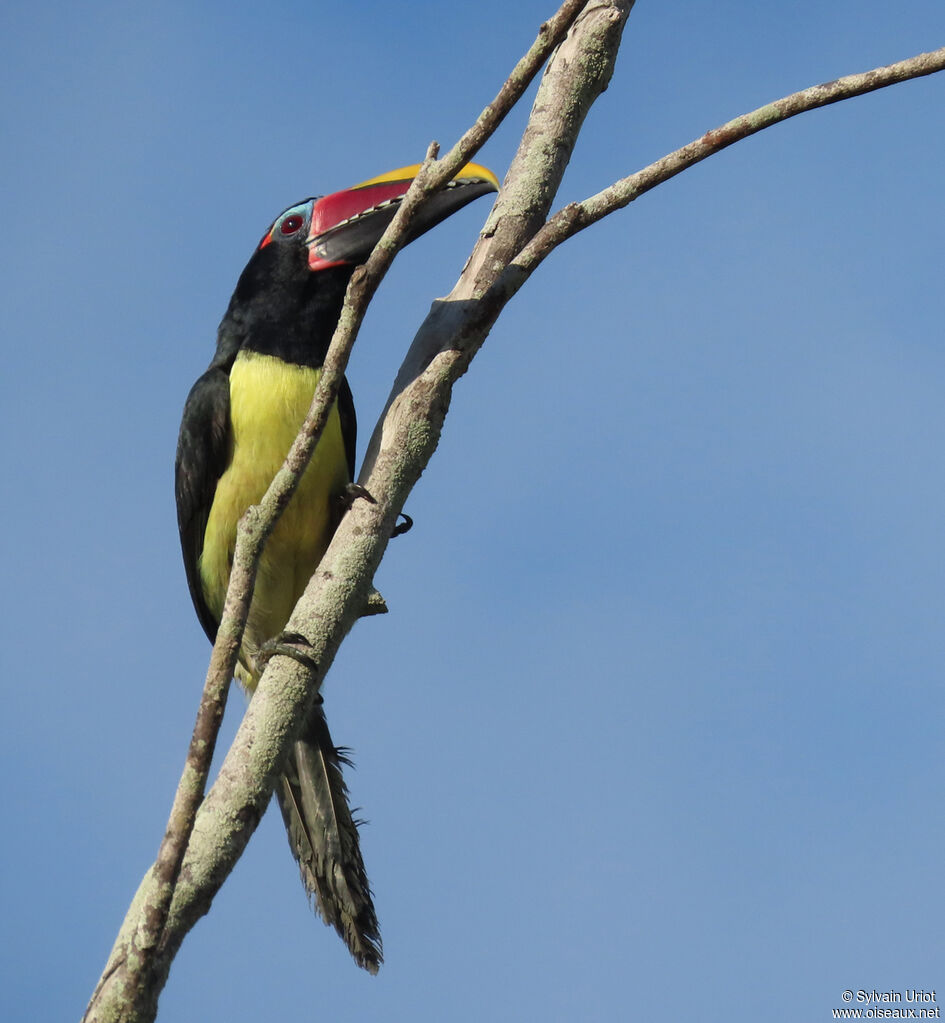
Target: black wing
[[203, 450]]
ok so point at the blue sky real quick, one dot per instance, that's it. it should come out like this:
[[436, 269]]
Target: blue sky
[[654, 727]]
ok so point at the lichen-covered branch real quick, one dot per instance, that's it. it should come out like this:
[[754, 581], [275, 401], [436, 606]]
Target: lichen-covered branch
[[457, 325], [207, 834], [576, 216], [176, 892]]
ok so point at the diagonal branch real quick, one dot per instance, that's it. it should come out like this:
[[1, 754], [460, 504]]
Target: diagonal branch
[[516, 239], [287, 688], [576, 216], [140, 959], [260, 520], [457, 326]]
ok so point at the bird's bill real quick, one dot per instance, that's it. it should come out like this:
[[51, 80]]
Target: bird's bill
[[347, 225]]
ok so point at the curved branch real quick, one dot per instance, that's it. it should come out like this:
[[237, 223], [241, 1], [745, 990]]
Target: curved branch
[[578, 73], [576, 216], [336, 595], [162, 910], [189, 871]]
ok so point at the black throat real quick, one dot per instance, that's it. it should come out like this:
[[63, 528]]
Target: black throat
[[291, 316]]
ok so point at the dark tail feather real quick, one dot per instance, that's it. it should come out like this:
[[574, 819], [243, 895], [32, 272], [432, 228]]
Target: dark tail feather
[[323, 837]]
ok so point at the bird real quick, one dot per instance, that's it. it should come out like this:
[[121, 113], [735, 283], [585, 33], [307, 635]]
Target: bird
[[239, 421]]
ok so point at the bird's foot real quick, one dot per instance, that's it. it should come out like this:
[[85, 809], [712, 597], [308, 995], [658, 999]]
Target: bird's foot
[[288, 644], [352, 492], [402, 527]]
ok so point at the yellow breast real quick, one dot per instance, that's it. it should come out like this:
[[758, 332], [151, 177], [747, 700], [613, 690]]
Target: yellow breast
[[269, 399]]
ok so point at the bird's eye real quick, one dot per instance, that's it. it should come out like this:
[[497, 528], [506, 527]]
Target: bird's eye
[[291, 224]]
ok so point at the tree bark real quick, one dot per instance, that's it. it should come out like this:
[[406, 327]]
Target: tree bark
[[207, 835]]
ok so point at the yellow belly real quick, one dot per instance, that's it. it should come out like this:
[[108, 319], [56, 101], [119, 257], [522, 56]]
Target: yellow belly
[[268, 401]]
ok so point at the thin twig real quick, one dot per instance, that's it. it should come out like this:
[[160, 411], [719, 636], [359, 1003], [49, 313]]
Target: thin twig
[[132, 975], [551, 33], [578, 73], [577, 216], [333, 599], [257, 525]]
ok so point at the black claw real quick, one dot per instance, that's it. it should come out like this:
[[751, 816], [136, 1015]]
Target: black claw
[[352, 492], [402, 527], [289, 644]]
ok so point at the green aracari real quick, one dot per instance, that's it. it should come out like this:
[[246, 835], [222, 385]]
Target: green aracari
[[239, 420]]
